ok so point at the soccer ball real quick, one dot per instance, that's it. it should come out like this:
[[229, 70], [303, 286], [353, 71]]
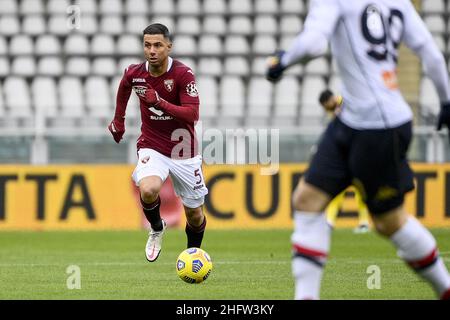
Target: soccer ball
[[194, 265]]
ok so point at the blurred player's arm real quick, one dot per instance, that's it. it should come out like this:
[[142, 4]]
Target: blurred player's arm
[[117, 125], [419, 39], [189, 109], [311, 42]]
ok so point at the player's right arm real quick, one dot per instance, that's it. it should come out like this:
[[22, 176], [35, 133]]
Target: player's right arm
[[117, 125], [419, 39], [312, 42]]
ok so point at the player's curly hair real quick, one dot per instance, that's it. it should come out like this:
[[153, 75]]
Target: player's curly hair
[[158, 28]]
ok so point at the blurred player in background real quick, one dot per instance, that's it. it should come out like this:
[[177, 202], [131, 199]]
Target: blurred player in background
[[169, 105], [332, 105], [366, 144]]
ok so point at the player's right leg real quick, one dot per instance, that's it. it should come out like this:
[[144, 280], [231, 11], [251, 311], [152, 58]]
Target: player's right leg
[[149, 175], [326, 177]]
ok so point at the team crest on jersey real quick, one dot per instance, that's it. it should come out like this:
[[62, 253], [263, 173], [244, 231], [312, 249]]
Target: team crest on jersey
[[140, 90], [168, 84], [191, 89]]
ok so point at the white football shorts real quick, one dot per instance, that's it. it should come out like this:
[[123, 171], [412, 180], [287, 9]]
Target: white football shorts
[[186, 175]]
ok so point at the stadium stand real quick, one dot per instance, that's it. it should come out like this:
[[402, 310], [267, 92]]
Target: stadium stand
[[226, 42]]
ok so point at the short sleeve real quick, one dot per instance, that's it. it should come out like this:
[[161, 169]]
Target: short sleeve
[[188, 91]]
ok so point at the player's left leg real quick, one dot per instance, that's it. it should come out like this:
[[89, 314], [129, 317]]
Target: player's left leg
[[417, 246], [195, 225]]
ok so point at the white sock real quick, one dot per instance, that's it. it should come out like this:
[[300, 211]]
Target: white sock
[[417, 246], [311, 243]]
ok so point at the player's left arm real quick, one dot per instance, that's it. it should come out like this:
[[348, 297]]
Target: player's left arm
[[311, 43], [419, 39], [189, 109]]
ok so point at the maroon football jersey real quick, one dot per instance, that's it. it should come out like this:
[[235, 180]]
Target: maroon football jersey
[[177, 86]]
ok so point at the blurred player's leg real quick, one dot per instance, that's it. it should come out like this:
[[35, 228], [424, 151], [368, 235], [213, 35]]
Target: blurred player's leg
[[195, 226], [310, 240], [332, 210], [417, 246], [363, 214]]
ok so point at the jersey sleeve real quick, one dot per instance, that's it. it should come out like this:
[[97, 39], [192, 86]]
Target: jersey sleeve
[[188, 92], [123, 94], [319, 25]]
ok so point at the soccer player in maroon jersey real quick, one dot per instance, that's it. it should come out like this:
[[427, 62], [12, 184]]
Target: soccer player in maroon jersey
[[169, 105]]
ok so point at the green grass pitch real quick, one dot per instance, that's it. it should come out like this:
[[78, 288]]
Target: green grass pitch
[[247, 265]]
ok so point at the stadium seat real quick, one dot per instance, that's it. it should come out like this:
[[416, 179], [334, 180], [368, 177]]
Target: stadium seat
[[189, 62], [335, 84], [292, 6], [259, 101], [48, 45], [135, 24], [57, 24], [70, 92], [104, 67], [240, 25], [24, 66], [102, 44], [21, 45], [9, 7], [78, 66], [232, 99], [76, 44], [236, 66], [240, 6], [50, 66], [435, 23], [19, 105], [32, 7], [133, 7], [264, 44], [3, 46], [265, 24], [291, 24], [188, 25], [236, 45], [58, 6], [2, 101], [259, 65], [125, 62], [188, 7], [214, 25], [209, 96], [9, 25], [184, 45], [266, 7], [210, 67], [440, 42], [311, 113], [433, 6], [287, 99], [87, 6], [129, 45], [45, 95], [214, 7], [210, 45], [428, 97], [112, 25], [98, 98], [4, 67], [34, 25], [107, 7], [165, 7], [89, 25], [166, 20], [318, 66]]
